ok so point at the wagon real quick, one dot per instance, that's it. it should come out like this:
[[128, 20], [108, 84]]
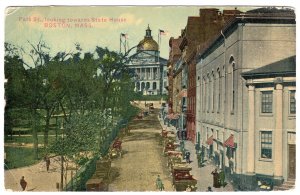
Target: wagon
[[182, 178]]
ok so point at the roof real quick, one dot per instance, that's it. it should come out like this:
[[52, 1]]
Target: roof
[[256, 16], [161, 60], [283, 67]]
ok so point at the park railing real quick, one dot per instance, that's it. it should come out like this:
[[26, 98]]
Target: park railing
[[77, 183]]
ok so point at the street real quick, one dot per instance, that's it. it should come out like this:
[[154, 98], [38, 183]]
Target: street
[[142, 161]]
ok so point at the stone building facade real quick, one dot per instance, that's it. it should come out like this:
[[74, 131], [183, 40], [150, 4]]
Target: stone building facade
[[150, 69], [271, 120], [232, 130]]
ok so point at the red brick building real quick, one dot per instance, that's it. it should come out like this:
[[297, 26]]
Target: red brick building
[[198, 31], [174, 55]]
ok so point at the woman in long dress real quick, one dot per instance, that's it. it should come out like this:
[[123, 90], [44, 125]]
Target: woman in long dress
[[216, 178]]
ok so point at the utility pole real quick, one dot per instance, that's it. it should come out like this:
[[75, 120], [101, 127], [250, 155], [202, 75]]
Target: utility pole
[[62, 164], [62, 173]]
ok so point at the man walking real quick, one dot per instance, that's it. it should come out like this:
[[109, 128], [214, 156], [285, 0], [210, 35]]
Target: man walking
[[23, 183], [47, 159], [159, 184], [187, 157]]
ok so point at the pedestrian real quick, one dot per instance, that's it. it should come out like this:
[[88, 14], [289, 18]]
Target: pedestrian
[[202, 157], [159, 184], [215, 178], [187, 157], [197, 148], [209, 189], [23, 183], [199, 159], [47, 159], [222, 178]]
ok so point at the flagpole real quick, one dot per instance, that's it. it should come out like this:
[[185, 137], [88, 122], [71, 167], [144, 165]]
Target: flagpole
[[120, 42], [125, 44]]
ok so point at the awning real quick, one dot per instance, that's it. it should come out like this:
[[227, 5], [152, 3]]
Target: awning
[[176, 116], [229, 142], [210, 140], [183, 93], [173, 116]]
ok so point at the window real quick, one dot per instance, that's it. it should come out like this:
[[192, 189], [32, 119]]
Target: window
[[203, 95], [154, 86], [207, 93], [266, 101], [212, 91], [219, 91], [233, 82], [230, 153], [292, 102], [147, 85], [266, 144], [233, 87]]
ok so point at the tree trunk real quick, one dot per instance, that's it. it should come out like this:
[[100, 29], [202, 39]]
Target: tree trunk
[[46, 130], [61, 173], [34, 132]]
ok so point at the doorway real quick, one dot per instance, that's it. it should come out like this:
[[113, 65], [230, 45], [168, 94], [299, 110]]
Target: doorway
[[292, 161]]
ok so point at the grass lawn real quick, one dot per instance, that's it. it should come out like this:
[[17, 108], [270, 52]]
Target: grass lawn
[[19, 157]]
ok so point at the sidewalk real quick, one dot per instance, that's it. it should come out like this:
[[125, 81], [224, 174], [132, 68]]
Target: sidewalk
[[203, 174]]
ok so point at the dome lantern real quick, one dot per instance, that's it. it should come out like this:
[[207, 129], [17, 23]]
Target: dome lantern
[[147, 44]]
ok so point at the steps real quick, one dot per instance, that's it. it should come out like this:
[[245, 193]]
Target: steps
[[287, 185]]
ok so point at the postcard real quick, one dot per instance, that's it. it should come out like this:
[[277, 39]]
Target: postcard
[[149, 98]]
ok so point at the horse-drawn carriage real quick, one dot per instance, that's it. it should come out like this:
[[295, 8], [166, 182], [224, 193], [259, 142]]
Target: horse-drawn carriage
[[101, 177], [182, 179], [116, 149], [169, 145]]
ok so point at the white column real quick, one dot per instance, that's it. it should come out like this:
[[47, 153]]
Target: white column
[[151, 70], [278, 132], [251, 129]]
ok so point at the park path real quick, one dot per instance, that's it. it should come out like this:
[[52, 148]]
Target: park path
[[37, 177], [142, 160]]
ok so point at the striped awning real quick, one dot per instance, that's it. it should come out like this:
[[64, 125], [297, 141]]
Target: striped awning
[[173, 116], [183, 93], [210, 140], [229, 142]]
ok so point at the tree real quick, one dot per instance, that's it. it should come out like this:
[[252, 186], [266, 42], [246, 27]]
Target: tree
[[15, 88]]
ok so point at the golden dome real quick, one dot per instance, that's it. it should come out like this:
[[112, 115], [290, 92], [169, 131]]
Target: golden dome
[[147, 44]]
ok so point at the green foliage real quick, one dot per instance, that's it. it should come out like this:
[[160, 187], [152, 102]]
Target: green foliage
[[81, 136], [90, 93], [14, 154]]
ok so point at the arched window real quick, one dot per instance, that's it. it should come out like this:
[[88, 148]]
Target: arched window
[[203, 94], [154, 85], [208, 93], [147, 85], [233, 82], [212, 91], [224, 87], [138, 86], [219, 90]]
